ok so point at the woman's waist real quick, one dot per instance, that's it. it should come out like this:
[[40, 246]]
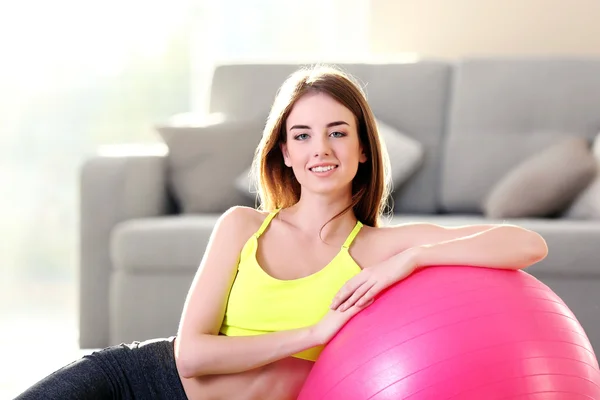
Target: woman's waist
[[280, 380]]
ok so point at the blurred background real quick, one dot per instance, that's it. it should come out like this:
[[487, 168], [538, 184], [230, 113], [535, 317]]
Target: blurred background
[[79, 75]]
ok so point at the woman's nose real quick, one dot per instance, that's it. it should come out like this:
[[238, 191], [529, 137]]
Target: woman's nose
[[322, 147]]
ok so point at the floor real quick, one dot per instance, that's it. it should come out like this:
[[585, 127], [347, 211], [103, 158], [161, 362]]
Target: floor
[[38, 332]]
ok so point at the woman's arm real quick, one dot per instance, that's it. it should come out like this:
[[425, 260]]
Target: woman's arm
[[501, 246], [199, 349], [208, 354], [405, 236]]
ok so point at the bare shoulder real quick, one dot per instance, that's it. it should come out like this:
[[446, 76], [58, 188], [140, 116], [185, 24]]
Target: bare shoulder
[[385, 234], [241, 221], [399, 237], [373, 245], [392, 239]]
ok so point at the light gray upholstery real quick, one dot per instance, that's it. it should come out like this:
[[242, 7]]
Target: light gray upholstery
[[545, 184], [225, 148], [146, 305], [503, 110], [113, 189], [139, 256], [169, 243]]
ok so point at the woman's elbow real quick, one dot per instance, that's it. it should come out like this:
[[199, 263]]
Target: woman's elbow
[[537, 249], [186, 369], [189, 358]]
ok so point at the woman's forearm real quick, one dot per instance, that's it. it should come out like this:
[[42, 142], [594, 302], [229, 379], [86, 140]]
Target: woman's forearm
[[499, 247], [211, 354]]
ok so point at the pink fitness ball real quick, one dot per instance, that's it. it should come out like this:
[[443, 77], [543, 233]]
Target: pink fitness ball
[[457, 332]]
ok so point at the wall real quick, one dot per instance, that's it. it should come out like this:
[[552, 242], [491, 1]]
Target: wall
[[449, 29]]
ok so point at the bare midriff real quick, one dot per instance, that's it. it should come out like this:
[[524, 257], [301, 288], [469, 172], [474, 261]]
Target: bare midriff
[[280, 380]]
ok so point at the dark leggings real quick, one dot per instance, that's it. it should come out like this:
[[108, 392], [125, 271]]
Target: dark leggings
[[140, 370]]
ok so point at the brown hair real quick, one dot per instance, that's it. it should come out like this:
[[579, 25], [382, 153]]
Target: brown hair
[[277, 184]]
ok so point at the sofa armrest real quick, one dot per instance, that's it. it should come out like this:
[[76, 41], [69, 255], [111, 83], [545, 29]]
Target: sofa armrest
[[113, 188]]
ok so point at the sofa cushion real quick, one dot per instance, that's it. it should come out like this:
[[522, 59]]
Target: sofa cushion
[[174, 243], [204, 161], [587, 204], [405, 153], [544, 184], [504, 110]]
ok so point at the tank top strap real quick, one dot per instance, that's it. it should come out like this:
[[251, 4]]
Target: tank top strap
[[352, 235], [266, 222]]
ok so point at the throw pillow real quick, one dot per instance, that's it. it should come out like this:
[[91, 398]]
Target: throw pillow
[[245, 185], [405, 153], [204, 161], [544, 184], [587, 205]]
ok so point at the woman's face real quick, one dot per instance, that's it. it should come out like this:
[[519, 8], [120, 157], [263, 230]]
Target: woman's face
[[322, 147]]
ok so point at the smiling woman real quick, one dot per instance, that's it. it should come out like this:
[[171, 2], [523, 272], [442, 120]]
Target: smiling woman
[[325, 149], [259, 310], [330, 126]]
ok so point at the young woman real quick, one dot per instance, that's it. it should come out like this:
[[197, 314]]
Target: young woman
[[276, 284]]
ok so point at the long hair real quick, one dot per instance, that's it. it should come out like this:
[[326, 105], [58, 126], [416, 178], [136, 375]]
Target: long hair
[[277, 184]]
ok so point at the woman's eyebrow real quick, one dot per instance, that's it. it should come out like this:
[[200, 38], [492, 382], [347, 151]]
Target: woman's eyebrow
[[329, 125]]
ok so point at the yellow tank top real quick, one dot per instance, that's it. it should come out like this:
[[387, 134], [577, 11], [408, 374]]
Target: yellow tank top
[[259, 303]]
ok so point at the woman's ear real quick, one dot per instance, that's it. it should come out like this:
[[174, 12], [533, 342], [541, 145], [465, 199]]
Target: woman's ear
[[286, 155], [363, 157]]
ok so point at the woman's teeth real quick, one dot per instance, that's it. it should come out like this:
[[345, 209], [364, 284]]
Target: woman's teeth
[[323, 169]]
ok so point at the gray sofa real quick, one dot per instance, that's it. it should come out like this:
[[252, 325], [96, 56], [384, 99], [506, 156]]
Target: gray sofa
[[476, 119]]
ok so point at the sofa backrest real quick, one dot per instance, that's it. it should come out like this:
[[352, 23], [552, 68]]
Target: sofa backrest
[[412, 97], [502, 110]]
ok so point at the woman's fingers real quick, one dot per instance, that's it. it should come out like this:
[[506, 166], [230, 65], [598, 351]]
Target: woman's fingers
[[347, 290], [356, 296], [369, 296]]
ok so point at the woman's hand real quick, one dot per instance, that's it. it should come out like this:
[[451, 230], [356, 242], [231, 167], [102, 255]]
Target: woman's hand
[[333, 321], [363, 287]]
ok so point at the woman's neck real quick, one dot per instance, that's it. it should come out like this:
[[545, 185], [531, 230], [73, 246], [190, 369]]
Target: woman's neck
[[313, 216]]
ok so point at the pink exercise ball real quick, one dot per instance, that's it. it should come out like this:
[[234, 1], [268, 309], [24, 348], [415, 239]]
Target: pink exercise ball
[[454, 332]]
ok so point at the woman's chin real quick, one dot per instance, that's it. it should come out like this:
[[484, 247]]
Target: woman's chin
[[330, 189]]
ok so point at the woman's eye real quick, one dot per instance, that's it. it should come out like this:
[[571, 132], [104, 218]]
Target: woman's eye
[[338, 134], [301, 136]]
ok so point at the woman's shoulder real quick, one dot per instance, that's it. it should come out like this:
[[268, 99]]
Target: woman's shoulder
[[242, 220], [385, 240]]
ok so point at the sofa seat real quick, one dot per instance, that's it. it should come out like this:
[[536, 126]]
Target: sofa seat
[[171, 243]]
